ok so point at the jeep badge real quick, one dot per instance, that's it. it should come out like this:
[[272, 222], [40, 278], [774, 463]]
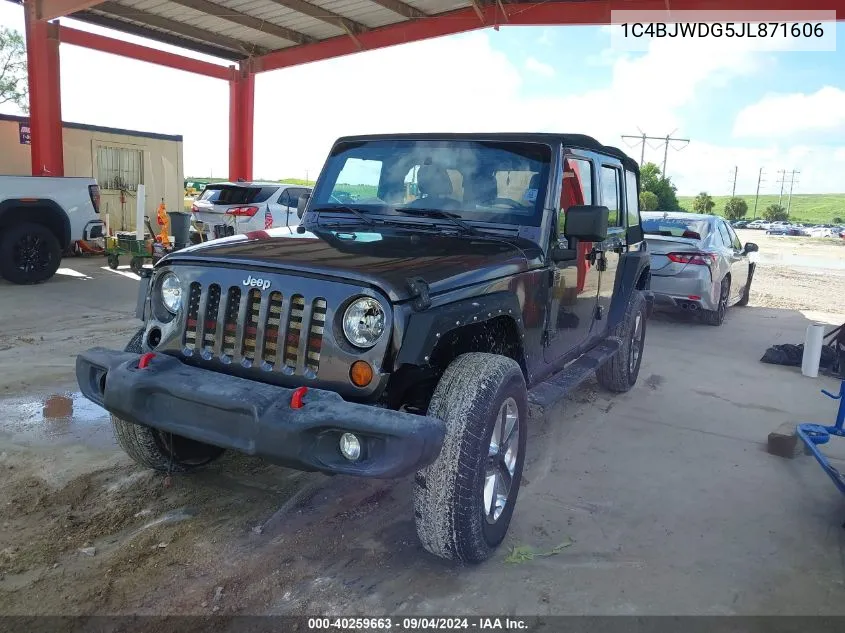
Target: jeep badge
[[256, 283]]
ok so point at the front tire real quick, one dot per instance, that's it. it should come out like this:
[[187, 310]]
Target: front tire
[[29, 254], [159, 450], [464, 501], [621, 372]]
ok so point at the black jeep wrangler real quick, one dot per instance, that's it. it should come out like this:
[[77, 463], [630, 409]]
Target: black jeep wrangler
[[438, 284]]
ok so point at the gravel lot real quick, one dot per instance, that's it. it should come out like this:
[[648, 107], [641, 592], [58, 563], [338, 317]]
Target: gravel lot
[[664, 498]]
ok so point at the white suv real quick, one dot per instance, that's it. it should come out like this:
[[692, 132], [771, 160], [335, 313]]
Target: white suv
[[231, 208]]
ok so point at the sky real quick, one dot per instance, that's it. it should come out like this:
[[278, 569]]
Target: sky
[[742, 108]]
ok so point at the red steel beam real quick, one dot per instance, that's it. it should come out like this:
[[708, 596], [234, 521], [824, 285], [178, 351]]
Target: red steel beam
[[142, 53], [52, 9], [524, 14], [241, 114], [45, 107]]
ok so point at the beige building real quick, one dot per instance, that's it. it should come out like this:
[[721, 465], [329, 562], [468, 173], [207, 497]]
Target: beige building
[[120, 160]]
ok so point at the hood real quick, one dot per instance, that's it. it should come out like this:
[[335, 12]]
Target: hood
[[385, 257]]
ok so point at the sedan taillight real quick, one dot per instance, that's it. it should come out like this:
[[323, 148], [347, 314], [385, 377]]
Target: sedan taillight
[[699, 259], [242, 212]]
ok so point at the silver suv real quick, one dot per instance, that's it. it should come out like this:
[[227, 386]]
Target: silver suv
[[228, 208]]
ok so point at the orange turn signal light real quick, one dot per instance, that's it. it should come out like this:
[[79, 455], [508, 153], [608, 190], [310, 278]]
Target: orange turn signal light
[[361, 373]]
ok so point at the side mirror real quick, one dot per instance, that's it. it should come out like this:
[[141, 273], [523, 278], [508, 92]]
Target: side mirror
[[586, 222], [751, 247], [301, 204]]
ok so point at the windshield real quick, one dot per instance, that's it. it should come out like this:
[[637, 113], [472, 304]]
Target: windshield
[[502, 182], [676, 227]]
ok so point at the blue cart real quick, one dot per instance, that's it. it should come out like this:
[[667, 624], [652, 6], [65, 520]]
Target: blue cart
[[814, 435]]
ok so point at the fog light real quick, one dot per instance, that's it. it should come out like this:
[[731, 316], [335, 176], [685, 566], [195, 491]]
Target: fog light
[[350, 446]]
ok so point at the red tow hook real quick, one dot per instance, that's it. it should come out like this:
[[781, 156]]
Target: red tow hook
[[145, 360], [296, 398]]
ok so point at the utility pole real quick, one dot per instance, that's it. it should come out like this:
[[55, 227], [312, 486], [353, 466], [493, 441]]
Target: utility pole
[[756, 197], [733, 189], [791, 185], [782, 180], [643, 138]]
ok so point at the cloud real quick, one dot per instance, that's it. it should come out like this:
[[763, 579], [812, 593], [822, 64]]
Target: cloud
[[534, 66], [790, 115]]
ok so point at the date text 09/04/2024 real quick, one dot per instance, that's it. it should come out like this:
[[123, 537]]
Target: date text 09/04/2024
[[417, 624], [728, 29]]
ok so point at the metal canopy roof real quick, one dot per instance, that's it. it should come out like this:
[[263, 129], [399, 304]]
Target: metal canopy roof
[[239, 29]]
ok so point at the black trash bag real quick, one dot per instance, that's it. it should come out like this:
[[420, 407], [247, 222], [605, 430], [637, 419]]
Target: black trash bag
[[786, 354], [792, 355]]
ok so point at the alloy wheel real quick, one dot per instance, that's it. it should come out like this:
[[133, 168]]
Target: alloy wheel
[[501, 460], [31, 253], [636, 349]]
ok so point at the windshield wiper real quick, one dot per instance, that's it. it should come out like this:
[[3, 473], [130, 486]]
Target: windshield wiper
[[440, 214], [346, 209]]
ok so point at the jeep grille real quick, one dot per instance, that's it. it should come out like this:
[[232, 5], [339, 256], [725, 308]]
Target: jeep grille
[[272, 332]]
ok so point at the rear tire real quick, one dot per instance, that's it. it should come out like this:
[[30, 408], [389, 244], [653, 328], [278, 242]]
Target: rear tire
[[29, 254], [159, 450], [464, 501], [717, 317], [746, 294], [620, 373]]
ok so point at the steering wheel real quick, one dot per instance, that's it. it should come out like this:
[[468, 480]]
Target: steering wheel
[[507, 202]]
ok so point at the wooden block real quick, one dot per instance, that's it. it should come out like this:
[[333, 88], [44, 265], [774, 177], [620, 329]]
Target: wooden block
[[784, 441]]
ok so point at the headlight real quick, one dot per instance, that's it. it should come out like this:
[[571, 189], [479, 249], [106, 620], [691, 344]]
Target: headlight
[[363, 322], [171, 292]]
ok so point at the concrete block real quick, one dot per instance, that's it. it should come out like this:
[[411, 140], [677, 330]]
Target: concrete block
[[784, 442]]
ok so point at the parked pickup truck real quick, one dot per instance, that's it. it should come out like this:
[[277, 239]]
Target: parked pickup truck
[[40, 217]]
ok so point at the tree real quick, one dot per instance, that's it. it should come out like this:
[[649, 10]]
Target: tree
[[648, 201], [13, 88], [736, 208], [653, 181], [775, 212], [838, 220], [703, 203]]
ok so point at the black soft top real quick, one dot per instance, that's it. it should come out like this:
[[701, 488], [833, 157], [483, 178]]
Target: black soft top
[[578, 141]]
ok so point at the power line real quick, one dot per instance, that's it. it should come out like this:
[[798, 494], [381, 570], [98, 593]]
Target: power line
[[664, 141]]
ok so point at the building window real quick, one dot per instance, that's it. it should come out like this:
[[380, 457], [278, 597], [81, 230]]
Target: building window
[[119, 168]]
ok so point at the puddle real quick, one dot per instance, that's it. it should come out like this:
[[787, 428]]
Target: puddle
[[800, 261], [67, 418]]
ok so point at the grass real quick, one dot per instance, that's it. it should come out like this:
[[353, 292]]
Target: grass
[[815, 208]]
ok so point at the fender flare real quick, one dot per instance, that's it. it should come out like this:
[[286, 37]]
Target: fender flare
[[426, 328], [631, 267], [11, 205]]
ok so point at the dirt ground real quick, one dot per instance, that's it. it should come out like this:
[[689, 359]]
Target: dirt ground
[[659, 501], [798, 273]]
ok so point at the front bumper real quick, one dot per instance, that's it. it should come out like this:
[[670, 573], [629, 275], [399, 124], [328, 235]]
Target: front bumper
[[256, 418]]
